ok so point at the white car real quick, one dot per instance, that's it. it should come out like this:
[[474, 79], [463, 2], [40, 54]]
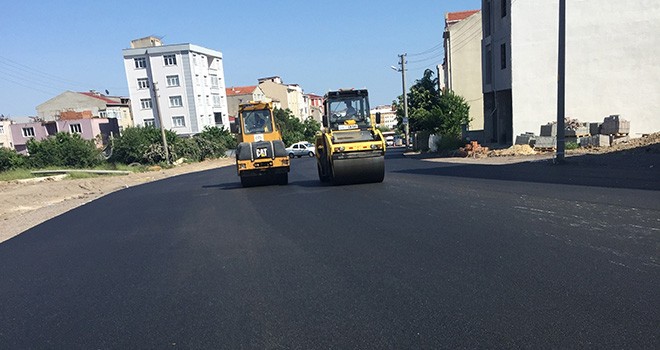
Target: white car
[[300, 149]]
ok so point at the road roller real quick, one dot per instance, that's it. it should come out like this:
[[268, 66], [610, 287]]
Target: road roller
[[349, 149], [261, 157]]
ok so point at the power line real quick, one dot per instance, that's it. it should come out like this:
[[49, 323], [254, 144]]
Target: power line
[[426, 51], [35, 74], [26, 86]]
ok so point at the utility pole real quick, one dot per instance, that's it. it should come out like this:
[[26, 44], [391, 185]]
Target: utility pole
[[160, 122], [406, 121], [561, 84]]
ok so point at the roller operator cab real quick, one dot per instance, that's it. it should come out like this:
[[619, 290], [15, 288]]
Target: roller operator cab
[[350, 149], [261, 157]]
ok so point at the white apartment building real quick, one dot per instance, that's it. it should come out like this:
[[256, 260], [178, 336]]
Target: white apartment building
[[185, 82], [387, 115], [5, 133], [611, 54]]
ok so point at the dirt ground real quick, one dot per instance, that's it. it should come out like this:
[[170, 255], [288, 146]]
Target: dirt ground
[[25, 204]]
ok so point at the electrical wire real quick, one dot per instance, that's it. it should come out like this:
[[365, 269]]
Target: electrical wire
[[436, 47]]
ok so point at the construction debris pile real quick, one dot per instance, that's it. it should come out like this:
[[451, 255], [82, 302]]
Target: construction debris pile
[[515, 150], [613, 130], [472, 149]]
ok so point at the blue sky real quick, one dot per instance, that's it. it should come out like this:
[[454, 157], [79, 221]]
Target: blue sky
[[49, 47]]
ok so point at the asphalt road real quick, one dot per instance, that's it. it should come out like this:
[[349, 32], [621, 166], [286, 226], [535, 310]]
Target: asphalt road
[[437, 256]]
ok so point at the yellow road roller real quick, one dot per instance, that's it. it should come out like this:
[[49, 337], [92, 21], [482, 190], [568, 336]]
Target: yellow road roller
[[261, 156], [350, 149]]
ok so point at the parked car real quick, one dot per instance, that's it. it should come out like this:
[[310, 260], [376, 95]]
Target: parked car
[[300, 149]]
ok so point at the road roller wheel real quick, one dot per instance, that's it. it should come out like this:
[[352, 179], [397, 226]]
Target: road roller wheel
[[358, 170]]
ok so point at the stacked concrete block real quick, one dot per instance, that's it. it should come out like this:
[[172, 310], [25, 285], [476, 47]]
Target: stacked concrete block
[[594, 128], [542, 142], [615, 140], [525, 139], [549, 129], [595, 141], [581, 130], [613, 125]]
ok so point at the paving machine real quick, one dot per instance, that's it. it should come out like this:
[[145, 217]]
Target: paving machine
[[260, 155], [350, 149]]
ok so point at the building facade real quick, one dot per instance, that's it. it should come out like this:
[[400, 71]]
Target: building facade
[[184, 82], [387, 116], [93, 104], [97, 129], [242, 94], [462, 64], [6, 140], [611, 50], [290, 96]]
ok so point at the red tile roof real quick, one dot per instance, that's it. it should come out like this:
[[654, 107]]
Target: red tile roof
[[453, 17], [240, 90], [100, 97]]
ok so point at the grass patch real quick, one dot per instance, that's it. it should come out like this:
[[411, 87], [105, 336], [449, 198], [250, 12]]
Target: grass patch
[[15, 174]]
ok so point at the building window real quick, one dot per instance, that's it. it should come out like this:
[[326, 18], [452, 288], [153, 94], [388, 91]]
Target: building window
[[2, 129], [170, 60], [145, 103], [176, 101], [214, 81], [103, 114], [216, 100], [28, 132], [486, 19], [178, 121], [503, 56], [75, 128], [206, 81], [194, 59], [503, 7], [140, 62], [143, 83], [172, 80], [218, 118], [149, 122], [489, 66]]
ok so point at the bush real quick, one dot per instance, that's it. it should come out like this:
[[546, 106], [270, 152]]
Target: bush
[[141, 145], [449, 143], [9, 159], [213, 142], [64, 149], [571, 145]]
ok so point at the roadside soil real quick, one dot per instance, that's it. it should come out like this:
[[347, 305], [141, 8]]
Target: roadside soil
[[27, 203]]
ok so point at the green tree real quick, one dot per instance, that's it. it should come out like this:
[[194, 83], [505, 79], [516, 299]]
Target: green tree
[[438, 112], [312, 127], [291, 128]]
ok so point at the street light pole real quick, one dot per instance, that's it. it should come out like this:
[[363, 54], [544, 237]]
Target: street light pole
[[561, 84], [160, 123]]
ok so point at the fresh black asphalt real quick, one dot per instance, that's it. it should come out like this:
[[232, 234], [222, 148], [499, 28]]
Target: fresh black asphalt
[[439, 255]]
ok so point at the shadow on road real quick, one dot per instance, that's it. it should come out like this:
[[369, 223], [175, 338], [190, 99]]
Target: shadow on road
[[633, 169]]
